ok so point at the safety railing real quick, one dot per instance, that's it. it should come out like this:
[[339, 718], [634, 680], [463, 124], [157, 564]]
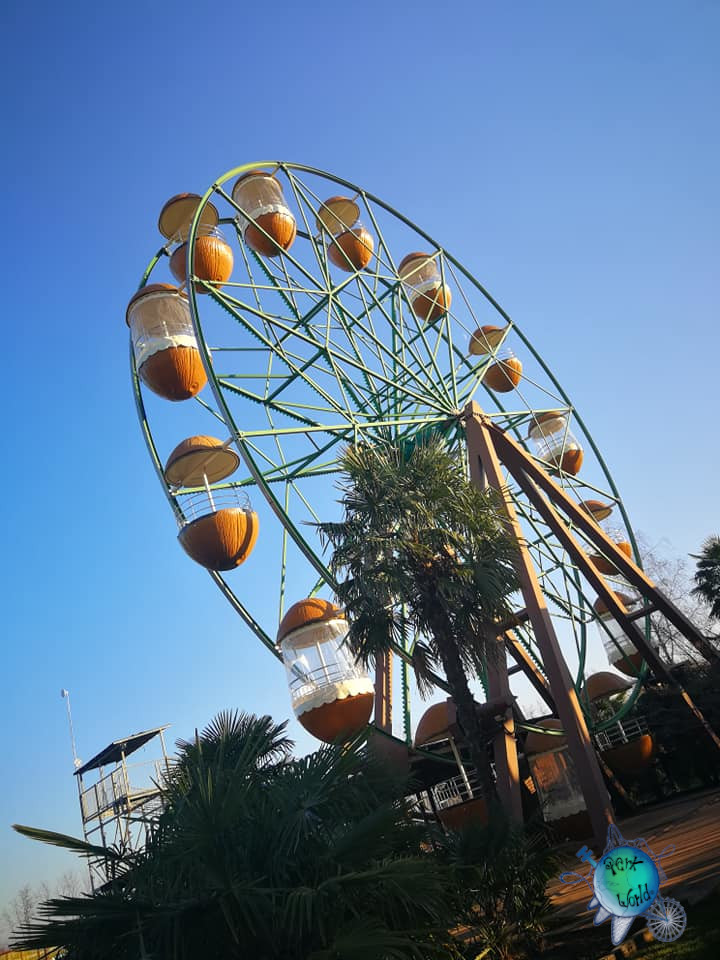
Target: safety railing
[[202, 502], [120, 787], [457, 790], [624, 731], [304, 682]]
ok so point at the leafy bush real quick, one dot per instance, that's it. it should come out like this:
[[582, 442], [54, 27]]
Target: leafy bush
[[502, 870], [263, 855], [260, 854]]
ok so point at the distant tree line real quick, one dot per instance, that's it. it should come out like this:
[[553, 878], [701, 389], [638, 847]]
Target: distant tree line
[[23, 906]]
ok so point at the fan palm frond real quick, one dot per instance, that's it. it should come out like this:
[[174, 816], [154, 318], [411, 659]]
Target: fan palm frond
[[261, 854], [707, 575], [421, 549], [81, 847]]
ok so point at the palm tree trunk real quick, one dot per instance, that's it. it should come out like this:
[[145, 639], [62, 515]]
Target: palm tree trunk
[[465, 706]]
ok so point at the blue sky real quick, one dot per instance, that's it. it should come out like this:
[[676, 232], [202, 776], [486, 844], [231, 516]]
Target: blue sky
[[566, 153]]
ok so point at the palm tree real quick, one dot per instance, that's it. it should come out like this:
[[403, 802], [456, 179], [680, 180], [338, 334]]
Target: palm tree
[[262, 855], [421, 548], [707, 575], [504, 869]]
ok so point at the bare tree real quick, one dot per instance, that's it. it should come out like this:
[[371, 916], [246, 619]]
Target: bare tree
[[69, 884], [22, 908], [672, 577]]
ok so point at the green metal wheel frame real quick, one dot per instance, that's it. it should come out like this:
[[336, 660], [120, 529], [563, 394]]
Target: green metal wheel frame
[[353, 344]]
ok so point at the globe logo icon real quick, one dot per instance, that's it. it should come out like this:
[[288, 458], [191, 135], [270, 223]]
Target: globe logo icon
[[626, 882]]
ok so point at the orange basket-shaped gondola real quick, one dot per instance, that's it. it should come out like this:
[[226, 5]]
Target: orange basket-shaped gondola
[[332, 695], [266, 222], [555, 443], [165, 348], [599, 510], [218, 527], [429, 297], [350, 246], [213, 259], [504, 373]]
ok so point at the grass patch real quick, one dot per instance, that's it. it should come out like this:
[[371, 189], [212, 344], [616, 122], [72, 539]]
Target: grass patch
[[701, 939]]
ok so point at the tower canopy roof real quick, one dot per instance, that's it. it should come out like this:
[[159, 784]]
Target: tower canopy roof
[[114, 751]]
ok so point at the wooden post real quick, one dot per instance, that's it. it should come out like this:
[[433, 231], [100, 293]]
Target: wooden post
[[483, 457]]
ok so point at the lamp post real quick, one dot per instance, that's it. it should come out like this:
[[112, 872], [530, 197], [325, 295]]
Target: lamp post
[[65, 694]]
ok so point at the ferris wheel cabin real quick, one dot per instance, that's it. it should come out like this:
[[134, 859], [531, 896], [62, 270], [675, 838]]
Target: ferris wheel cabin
[[267, 224], [164, 344], [429, 297], [218, 528], [598, 511], [555, 443], [458, 799], [556, 779], [620, 651], [213, 255], [332, 695], [505, 371], [627, 746], [351, 246]]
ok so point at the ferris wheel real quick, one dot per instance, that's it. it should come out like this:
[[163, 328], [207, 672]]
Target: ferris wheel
[[315, 316]]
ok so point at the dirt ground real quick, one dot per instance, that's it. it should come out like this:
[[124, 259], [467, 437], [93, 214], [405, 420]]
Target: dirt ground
[[692, 824]]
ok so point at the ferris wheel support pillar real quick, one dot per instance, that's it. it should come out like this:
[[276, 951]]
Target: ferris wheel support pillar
[[504, 743], [485, 469], [541, 490], [547, 496]]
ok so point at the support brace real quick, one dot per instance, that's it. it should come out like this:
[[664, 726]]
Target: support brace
[[484, 460], [535, 482]]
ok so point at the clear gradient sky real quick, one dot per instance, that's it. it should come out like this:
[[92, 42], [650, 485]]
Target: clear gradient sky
[[567, 153]]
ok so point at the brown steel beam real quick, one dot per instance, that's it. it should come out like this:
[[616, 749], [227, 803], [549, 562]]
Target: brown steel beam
[[519, 464], [484, 459], [504, 743], [525, 663], [509, 449], [619, 788], [639, 614]]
